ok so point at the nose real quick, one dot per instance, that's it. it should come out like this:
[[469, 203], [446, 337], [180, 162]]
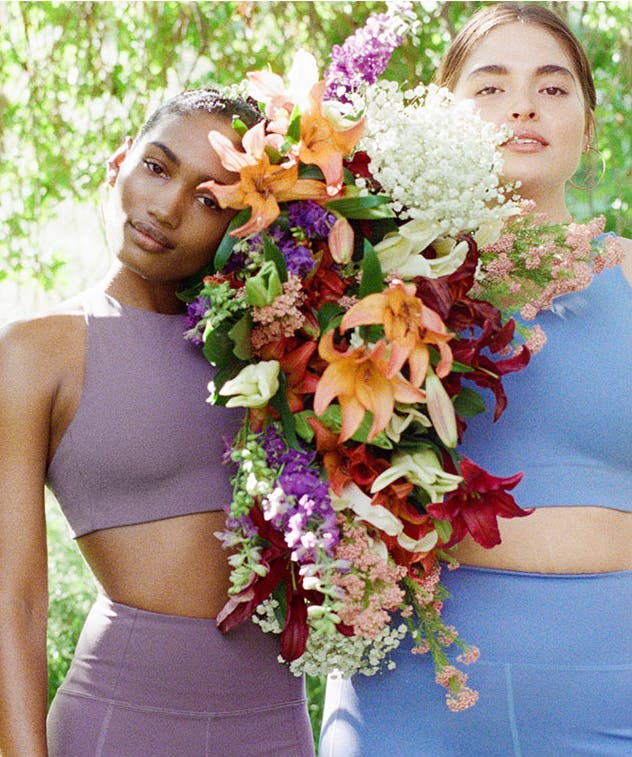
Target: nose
[[166, 206], [523, 109]]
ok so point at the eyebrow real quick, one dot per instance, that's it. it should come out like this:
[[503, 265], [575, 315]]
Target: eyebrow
[[175, 159], [550, 68], [167, 151]]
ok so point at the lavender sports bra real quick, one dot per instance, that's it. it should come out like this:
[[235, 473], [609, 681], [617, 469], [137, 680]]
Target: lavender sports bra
[[143, 445], [568, 424]]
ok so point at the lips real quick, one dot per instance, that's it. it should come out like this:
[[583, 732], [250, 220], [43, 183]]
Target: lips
[[527, 139], [149, 237]]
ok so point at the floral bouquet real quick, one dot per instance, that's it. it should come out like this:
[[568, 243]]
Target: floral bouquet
[[347, 312]]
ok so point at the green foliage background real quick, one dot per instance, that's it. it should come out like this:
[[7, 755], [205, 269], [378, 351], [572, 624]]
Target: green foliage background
[[76, 77]]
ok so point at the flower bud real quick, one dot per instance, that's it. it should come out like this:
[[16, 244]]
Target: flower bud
[[341, 241], [265, 287]]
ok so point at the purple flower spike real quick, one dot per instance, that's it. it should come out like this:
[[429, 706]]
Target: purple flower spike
[[363, 56]]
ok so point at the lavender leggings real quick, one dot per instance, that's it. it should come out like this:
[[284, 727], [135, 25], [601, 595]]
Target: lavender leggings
[[144, 684]]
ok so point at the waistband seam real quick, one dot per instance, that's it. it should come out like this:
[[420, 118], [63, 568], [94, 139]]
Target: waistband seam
[[63, 689], [558, 668]]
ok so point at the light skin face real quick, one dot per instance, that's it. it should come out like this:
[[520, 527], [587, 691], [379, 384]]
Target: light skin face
[[160, 225], [520, 76]]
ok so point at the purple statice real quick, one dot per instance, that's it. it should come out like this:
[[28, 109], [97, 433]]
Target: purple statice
[[235, 530], [305, 221], [300, 506], [363, 57], [194, 318], [315, 221], [297, 255], [236, 262]]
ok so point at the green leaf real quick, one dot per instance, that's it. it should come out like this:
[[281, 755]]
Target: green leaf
[[303, 429], [468, 402], [294, 128], [225, 247], [372, 276], [362, 207], [310, 172], [272, 252], [240, 334], [329, 316], [218, 347], [332, 419], [443, 528], [279, 403]]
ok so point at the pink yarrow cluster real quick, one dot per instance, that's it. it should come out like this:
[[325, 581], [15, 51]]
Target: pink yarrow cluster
[[533, 263], [367, 612]]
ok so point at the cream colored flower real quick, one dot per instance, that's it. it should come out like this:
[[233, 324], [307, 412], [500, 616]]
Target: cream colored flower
[[254, 385], [422, 469], [379, 517], [401, 252]]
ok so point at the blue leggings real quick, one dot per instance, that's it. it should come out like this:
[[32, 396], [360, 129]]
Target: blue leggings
[[554, 676], [145, 684]]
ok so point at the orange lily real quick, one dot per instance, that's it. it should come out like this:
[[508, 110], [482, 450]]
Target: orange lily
[[332, 455], [409, 326], [322, 143], [358, 378], [262, 185]]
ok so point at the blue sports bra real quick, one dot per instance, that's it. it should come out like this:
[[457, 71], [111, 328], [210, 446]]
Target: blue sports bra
[[568, 423], [144, 444]]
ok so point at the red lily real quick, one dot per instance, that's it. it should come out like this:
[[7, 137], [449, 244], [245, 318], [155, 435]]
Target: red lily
[[299, 380], [475, 506], [486, 372]]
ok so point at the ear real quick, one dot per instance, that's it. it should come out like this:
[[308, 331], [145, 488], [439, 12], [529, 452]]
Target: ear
[[114, 163]]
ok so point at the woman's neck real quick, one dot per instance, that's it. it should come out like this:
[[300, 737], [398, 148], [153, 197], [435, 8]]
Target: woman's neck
[[550, 204], [131, 289]]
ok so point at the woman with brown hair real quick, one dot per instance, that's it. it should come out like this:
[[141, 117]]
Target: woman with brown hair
[[551, 606]]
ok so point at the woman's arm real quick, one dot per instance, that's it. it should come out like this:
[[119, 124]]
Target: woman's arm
[[627, 261], [27, 388]]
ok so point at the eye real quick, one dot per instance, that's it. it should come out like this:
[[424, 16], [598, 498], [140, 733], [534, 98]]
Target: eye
[[154, 167], [490, 89], [554, 91], [208, 201]]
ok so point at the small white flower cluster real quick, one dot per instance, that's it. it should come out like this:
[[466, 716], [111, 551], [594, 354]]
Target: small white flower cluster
[[348, 655], [437, 159]]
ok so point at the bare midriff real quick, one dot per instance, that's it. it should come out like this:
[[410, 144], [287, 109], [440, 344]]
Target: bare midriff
[[576, 539], [175, 566]]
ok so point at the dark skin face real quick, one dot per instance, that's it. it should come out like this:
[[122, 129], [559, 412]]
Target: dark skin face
[[160, 225]]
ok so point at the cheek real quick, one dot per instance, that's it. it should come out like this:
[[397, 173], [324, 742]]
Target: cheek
[[205, 235]]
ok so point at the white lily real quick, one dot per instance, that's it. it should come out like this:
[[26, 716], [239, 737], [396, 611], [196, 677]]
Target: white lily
[[377, 515], [400, 421], [400, 252], [302, 76], [421, 468], [440, 409], [380, 517], [425, 544], [253, 386]]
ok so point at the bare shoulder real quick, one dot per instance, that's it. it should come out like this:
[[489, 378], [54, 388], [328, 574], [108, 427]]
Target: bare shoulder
[[36, 353], [31, 340], [626, 265]]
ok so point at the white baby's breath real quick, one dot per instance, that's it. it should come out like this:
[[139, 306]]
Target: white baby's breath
[[435, 157]]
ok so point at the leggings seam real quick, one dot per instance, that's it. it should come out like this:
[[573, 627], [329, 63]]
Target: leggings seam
[[182, 713], [104, 728], [121, 664], [513, 726], [207, 744]]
